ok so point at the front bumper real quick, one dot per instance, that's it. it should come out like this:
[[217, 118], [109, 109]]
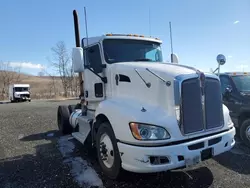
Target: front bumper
[[23, 98], [137, 158]]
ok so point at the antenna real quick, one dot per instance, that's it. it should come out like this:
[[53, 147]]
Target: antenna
[[149, 20], [171, 42], [86, 25]]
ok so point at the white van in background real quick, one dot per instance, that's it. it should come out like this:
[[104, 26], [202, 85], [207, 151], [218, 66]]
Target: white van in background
[[19, 92]]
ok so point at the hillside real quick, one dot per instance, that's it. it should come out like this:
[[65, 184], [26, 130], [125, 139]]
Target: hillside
[[41, 86]]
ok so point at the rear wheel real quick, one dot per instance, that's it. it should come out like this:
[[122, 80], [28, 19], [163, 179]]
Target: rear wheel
[[245, 132], [107, 151], [63, 115]]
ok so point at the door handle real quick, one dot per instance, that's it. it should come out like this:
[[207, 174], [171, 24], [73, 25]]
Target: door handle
[[117, 79]]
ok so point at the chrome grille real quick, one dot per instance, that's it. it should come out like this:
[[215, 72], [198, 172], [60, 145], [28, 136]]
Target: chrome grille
[[197, 114], [25, 95]]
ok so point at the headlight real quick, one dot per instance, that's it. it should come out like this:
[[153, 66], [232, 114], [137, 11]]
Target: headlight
[[148, 132]]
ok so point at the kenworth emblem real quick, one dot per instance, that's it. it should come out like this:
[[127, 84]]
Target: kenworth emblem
[[202, 79]]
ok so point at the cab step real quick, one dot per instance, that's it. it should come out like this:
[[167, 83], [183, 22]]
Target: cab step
[[80, 137], [84, 128]]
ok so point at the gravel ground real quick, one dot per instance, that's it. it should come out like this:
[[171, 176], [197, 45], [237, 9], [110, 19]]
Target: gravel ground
[[30, 156]]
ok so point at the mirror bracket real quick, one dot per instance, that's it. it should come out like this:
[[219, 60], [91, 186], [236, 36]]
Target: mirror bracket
[[104, 79]]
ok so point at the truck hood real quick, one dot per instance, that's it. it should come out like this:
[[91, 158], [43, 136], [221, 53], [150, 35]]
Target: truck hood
[[171, 69], [129, 85]]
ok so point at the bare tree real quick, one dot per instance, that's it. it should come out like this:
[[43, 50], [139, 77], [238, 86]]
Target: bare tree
[[52, 84], [8, 75], [63, 66]]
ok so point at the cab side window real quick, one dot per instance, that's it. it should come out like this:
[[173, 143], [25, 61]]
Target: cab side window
[[225, 82], [93, 55]]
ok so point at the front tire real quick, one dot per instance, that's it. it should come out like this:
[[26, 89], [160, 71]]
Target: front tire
[[245, 132], [63, 115], [107, 151]]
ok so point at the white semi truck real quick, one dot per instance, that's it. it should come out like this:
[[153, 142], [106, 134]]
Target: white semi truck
[[141, 114], [19, 92]]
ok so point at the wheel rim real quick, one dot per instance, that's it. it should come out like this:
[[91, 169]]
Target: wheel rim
[[248, 132], [106, 150]]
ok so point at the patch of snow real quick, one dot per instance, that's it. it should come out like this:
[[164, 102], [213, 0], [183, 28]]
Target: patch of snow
[[81, 171], [65, 147]]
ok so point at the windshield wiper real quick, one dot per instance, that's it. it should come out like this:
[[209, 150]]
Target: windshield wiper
[[143, 59], [148, 84], [166, 82]]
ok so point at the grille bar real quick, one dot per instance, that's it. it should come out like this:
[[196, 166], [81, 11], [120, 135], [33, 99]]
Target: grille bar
[[192, 114], [213, 104]]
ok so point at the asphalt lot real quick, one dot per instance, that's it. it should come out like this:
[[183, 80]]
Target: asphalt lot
[[34, 154]]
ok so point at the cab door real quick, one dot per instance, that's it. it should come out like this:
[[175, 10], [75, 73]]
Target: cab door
[[93, 85]]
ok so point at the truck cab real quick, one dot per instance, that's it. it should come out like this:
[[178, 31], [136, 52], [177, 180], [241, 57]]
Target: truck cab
[[142, 114], [235, 88], [19, 92]]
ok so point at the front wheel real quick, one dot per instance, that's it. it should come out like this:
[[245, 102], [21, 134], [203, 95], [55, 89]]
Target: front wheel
[[107, 151], [245, 132]]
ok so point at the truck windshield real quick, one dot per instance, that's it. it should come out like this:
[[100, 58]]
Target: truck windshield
[[242, 82], [126, 50], [20, 89]]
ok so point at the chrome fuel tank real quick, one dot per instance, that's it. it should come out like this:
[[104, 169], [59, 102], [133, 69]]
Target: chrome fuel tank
[[73, 117]]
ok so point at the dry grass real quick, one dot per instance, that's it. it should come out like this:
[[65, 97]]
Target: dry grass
[[41, 86]]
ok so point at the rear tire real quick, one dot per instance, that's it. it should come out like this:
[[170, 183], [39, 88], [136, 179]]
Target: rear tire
[[245, 132], [111, 167], [63, 115]]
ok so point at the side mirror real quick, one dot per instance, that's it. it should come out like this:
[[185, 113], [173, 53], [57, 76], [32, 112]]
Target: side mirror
[[221, 59], [78, 59], [228, 91]]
